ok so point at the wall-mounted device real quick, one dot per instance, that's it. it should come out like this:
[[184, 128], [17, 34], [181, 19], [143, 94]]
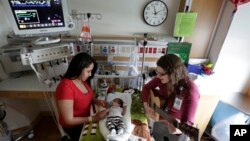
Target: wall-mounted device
[[39, 18], [44, 54], [11, 60]]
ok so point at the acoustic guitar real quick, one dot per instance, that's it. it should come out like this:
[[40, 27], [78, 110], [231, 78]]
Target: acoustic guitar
[[154, 103]]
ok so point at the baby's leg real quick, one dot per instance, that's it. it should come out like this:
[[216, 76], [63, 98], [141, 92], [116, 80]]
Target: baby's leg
[[120, 126], [110, 125]]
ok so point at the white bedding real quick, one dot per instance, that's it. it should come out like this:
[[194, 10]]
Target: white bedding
[[126, 118]]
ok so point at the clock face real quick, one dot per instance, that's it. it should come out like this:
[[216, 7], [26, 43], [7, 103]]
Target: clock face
[[155, 12]]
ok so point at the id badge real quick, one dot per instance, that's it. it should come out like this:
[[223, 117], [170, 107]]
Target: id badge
[[177, 103]]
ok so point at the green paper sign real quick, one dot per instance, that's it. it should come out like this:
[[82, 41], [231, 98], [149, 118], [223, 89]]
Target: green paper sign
[[180, 49], [184, 24]]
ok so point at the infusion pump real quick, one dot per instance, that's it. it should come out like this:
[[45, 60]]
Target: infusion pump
[[17, 58], [44, 54], [11, 60]]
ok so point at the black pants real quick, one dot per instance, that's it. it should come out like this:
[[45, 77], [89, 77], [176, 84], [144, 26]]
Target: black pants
[[114, 122], [74, 132]]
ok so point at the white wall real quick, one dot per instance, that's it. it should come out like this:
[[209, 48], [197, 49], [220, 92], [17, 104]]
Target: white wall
[[123, 17], [119, 17], [4, 29], [4, 26], [233, 68]]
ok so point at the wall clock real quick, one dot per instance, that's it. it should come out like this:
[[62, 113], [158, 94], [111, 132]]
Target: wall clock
[[155, 12]]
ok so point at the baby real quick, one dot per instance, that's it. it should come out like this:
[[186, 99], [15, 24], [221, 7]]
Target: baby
[[114, 120]]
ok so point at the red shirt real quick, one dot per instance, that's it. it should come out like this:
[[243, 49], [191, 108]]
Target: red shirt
[[67, 90], [190, 99]]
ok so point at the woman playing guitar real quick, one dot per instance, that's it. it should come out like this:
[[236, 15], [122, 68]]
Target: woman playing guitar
[[179, 98]]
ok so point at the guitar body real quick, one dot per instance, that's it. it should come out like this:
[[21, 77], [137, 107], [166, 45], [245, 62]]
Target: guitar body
[[156, 104]]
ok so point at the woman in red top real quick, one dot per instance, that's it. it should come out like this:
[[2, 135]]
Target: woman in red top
[[74, 96], [179, 94]]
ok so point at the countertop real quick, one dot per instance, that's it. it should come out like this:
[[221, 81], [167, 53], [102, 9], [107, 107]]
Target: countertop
[[26, 82]]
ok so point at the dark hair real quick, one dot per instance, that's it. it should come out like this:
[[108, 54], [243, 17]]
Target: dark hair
[[119, 101], [174, 67], [78, 63]]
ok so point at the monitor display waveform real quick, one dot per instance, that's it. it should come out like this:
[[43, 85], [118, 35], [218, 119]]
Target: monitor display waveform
[[31, 3], [27, 16]]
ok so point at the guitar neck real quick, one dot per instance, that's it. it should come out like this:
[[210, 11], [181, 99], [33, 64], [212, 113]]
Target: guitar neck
[[165, 115], [189, 130]]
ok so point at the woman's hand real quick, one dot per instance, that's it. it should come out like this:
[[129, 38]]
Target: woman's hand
[[100, 115], [101, 103], [149, 111], [171, 128]]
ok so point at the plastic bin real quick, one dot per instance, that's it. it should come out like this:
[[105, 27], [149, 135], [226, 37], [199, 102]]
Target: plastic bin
[[197, 69]]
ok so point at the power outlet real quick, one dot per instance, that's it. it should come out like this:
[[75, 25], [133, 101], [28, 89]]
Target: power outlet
[[25, 55]]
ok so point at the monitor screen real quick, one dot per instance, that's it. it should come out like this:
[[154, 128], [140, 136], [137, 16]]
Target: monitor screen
[[38, 17]]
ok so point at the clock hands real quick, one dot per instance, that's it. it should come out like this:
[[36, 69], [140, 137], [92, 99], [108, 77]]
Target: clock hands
[[155, 10], [161, 10]]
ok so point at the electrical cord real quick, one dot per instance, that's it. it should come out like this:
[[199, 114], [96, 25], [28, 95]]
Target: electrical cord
[[46, 94]]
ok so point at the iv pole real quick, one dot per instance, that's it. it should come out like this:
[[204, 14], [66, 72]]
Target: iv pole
[[145, 42]]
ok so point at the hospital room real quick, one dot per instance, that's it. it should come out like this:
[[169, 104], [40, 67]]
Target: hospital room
[[115, 70]]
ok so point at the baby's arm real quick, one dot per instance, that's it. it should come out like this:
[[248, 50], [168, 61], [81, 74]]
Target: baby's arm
[[124, 110]]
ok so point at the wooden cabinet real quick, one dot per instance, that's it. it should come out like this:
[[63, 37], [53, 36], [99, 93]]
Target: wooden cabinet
[[248, 92], [26, 94], [206, 107]]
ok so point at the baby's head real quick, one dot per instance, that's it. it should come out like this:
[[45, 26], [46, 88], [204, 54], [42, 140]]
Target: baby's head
[[117, 102]]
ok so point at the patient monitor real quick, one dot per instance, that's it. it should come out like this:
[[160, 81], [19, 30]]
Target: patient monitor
[[39, 18]]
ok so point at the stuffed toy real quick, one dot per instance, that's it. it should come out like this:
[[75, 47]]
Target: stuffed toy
[[129, 91], [137, 105], [141, 129], [102, 88]]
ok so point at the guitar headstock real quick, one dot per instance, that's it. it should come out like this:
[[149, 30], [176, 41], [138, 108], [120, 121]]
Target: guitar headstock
[[191, 131]]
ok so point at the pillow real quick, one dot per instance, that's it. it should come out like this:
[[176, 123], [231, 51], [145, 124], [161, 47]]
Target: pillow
[[126, 118]]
